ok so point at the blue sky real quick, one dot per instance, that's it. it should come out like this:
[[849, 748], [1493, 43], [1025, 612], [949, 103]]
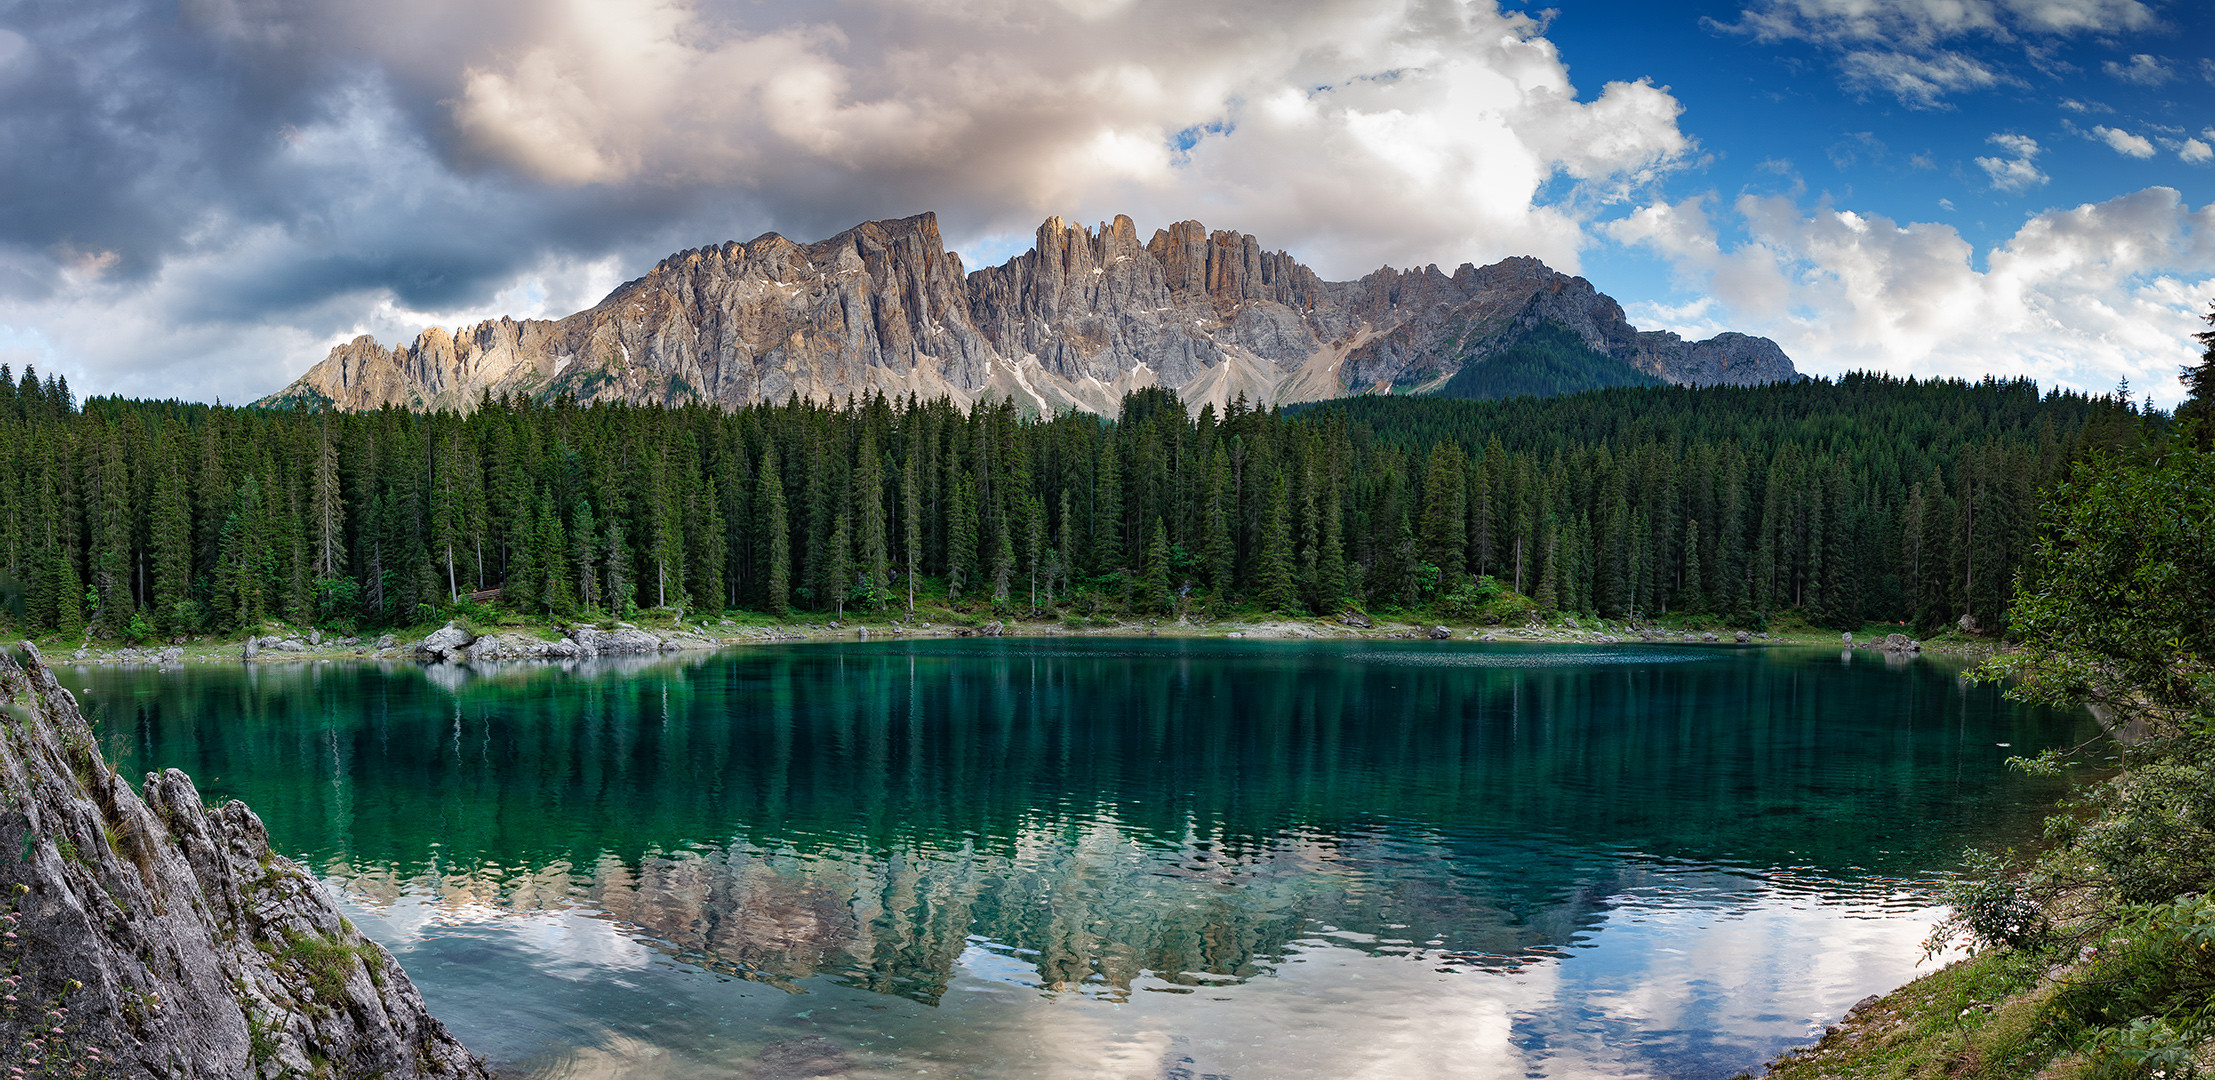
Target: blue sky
[[1785, 116], [198, 198]]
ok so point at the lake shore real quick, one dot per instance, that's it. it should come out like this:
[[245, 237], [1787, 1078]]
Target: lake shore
[[676, 632]]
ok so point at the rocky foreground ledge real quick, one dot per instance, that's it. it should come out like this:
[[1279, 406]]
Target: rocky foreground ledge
[[160, 938]]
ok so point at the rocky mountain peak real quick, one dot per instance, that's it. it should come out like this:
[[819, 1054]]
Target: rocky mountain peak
[[1086, 315]]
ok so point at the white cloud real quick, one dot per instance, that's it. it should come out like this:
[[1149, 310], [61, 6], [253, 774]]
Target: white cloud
[[1922, 81], [2195, 152], [1923, 22], [1913, 48], [517, 144], [1421, 127], [2143, 69], [2123, 142], [2075, 106], [2077, 297], [2014, 172]]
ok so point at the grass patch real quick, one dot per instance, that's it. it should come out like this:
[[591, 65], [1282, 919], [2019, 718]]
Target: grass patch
[[324, 963]]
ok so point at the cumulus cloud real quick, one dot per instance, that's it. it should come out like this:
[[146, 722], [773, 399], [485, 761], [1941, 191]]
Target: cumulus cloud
[[260, 168], [1919, 50], [2013, 172], [2077, 297], [2123, 142]]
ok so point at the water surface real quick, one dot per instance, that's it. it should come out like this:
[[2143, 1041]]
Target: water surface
[[1143, 858]]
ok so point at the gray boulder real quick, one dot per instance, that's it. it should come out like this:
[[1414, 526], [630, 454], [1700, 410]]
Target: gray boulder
[[521, 647], [446, 642], [1440, 633], [627, 640]]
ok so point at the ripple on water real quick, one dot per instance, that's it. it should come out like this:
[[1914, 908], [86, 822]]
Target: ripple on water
[[1521, 657]]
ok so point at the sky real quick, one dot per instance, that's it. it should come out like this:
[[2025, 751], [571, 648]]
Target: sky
[[199, 197]]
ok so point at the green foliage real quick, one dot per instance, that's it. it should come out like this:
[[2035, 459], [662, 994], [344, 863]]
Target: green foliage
[[2118, 605], [1545, 361], [1993, 907], [1868, 498], [324, 963], [2116, 609]]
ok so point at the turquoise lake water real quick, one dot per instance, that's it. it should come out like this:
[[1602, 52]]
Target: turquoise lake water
[[1121, 858]]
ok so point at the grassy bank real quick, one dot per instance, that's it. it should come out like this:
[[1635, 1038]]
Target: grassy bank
[[1508, 619]]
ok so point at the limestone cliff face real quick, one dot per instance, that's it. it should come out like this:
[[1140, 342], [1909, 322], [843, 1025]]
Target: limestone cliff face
[[1075, 322], [195, 951]]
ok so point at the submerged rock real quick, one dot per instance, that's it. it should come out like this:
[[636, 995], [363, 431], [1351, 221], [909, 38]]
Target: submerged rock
[[181, 945]]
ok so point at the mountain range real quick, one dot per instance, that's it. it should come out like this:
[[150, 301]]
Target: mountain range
[[1082, 318]]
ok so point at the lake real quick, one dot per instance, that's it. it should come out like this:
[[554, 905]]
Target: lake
[[1162, 858]]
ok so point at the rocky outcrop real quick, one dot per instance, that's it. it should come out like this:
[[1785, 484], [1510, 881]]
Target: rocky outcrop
[[1077, 321], [179, 943], [454, 643]]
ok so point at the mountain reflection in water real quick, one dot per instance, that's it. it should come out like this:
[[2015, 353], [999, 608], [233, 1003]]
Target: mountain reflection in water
[[1120, 822]]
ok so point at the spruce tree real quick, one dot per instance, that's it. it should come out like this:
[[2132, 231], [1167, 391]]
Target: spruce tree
[[585, 555], [961, 539], [1107, 510], [1217, 551], [837, 563], [170, 537], [1273, 577], [911, 521], [777, 573], [1445, 514], [1153, 590], [1330, 560], [870, 529], [551, 558]]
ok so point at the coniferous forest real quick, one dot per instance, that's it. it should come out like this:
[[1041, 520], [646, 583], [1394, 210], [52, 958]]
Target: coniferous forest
[[1865, 499]]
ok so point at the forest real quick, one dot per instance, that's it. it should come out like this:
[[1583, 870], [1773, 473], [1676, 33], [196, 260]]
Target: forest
[[1868, 498]]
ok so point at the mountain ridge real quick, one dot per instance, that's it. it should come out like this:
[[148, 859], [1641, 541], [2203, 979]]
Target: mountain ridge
[[1077, 321]]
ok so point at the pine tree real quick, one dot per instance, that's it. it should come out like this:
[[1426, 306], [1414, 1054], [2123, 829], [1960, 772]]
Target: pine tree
[[1546, 595], [1003, 561], [328, 508], [1445, 514], [1107, 511], [246, 558], [110, 504], [961, 539], [1273, 578], [550, 558], [170, 536], [769, 499], [1690, 596], [778, 572], [837, 563], [69, 591], [870, 529], [1219, 556], [1153, 590], [2197, 413], [1330, 559], [911, 521], [585, 555]]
